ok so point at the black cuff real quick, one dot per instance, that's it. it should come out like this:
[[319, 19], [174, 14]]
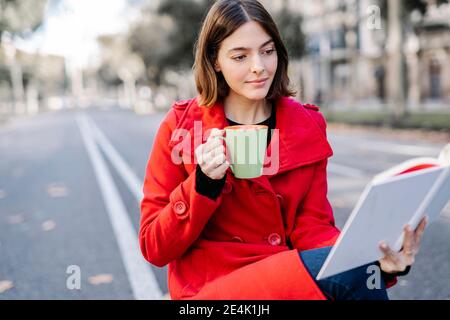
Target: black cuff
[[400, 274], [388, 276], [206, 186]]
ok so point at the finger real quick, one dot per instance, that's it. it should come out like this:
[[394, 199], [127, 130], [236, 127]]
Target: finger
[[420, 230], [218, 150], [219, 172], [218, 160], [204, 157], [393, 259], [199, 154], [389, 253], [408, 241], [215, 133], [212, 156], [215, 162], [211, 145]]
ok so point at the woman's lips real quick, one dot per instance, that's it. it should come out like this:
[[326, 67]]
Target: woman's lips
[[258, 83]]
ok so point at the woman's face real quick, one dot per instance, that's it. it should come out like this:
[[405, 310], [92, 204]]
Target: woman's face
[[247, 55]]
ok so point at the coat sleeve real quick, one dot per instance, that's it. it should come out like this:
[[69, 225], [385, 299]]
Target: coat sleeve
[[173, 214], [314, 223]]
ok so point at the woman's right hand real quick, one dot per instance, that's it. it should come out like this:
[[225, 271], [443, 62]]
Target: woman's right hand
[[211, 156]]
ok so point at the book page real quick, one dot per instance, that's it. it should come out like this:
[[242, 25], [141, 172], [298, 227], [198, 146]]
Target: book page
[[381, 213]]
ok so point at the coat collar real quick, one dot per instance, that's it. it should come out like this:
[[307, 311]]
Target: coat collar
[[301, 140]]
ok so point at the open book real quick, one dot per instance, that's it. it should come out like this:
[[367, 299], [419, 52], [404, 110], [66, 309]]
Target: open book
[[398, 196]]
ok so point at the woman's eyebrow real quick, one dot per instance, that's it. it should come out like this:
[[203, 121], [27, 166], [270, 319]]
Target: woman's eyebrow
[[244, 49]]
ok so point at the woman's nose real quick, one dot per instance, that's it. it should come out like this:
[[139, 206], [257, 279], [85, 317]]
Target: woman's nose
[[257, 65]]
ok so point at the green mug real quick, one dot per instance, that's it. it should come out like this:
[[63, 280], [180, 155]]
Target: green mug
[[246, 149]]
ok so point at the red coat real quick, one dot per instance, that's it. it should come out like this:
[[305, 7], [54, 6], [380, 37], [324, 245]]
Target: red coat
[[238, 247]]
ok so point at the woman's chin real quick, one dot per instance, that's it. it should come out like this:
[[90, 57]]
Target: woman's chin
[[256, 95]]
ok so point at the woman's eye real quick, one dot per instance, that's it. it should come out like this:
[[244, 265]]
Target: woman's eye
[[239, 58], [269, 51]]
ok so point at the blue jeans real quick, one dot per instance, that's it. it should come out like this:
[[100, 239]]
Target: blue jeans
[[349, 285]]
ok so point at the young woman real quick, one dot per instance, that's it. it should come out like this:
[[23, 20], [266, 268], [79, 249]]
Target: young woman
[[260, 238]]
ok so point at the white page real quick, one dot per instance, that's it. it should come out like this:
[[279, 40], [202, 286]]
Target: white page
[[433, 203], [440, 200], [380, 214]]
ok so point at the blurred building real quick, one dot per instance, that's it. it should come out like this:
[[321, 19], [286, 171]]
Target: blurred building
[[346, 58], [31, 81], [429, 56]]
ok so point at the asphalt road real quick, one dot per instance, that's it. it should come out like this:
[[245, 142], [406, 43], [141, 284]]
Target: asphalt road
[[69, 210]]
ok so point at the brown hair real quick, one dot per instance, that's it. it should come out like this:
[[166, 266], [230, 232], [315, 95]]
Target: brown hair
[[224, 17]]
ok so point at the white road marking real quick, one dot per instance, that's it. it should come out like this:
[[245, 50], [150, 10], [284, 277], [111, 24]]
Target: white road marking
[[388, 147], [402, 149], [129, 177], [142, 280], [344, 170]]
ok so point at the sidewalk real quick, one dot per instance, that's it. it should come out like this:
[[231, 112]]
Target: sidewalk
[[401, 134]]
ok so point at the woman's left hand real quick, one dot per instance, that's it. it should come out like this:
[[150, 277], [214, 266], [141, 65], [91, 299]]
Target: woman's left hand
[[392, 261]]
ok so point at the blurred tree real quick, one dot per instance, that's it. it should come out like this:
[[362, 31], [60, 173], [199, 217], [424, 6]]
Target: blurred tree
[[18, 18], [113, 49], [21, 17], [290, 26], [120, 66], [409, 6], [188, 17], [165, 38], [150, 39]]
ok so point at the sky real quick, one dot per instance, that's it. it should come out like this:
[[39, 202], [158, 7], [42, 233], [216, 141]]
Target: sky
[[70, 28]]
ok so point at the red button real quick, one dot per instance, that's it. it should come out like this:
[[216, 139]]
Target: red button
[[227, 187], [179, 207], [274, 239], [237, 239]]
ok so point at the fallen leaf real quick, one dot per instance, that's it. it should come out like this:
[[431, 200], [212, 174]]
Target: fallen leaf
[[48, 225], [101, 279], [57, 190], [15, 219], [5, 285]]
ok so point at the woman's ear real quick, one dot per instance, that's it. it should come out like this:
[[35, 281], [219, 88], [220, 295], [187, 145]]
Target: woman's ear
[[216, 66]]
